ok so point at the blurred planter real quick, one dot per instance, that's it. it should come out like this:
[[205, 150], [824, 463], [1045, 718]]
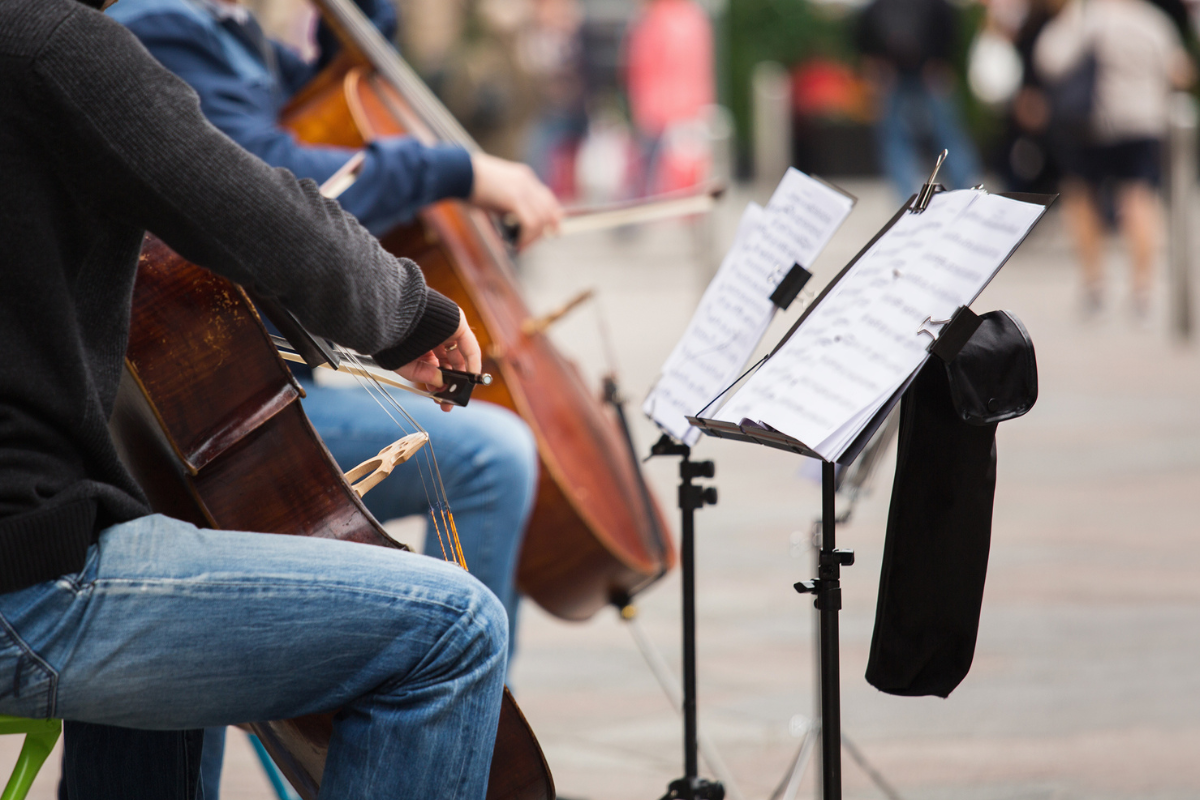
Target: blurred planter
[[830, 148], [832, 125], [785, 31]]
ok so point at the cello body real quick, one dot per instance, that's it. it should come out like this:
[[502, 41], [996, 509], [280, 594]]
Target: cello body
[[596, 536], [208, 420]]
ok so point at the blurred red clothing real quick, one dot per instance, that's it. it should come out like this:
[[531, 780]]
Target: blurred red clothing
[[669, 65]]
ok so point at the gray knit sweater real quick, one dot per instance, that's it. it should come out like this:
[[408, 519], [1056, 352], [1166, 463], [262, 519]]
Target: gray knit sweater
[[98, 143]]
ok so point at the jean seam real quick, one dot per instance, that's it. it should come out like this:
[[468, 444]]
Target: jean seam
[[50, 672], [306, 588]]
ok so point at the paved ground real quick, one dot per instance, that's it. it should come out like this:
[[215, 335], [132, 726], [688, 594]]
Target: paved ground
[[1085, 683]]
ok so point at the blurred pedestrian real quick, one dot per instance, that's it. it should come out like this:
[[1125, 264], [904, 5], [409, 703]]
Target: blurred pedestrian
[[484, 82], [906, 46], [1025, 157], [670, 85], [1117, 61], [551, 50]]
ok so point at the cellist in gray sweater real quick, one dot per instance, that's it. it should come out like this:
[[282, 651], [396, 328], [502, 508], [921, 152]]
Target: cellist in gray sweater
[[113, 616]]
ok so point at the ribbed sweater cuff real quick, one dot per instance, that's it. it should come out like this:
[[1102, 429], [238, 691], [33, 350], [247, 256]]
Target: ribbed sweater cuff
[[42, 545], [437, 324]]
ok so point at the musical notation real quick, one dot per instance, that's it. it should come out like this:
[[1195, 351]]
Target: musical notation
[[865, 339], [795, 225]]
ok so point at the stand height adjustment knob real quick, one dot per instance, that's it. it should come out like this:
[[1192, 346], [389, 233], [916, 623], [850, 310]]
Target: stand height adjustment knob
[[693, 497], [695, 789], [843, 558]]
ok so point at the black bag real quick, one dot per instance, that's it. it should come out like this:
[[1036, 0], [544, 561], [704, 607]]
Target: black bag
[[1072, 99], [940, 521]]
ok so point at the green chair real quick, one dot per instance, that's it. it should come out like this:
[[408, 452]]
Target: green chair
[[40, 738]]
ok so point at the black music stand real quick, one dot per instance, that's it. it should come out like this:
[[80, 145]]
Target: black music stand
[[826, 587], [691, 497]]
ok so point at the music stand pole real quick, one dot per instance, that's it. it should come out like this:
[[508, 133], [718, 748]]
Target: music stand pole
[[691, 497], [828, 590]]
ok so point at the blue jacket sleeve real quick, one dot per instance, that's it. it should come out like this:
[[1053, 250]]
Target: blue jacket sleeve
[[400, 175], [294, 71]]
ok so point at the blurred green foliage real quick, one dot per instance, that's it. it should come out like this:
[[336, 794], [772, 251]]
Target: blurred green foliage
[[793, 31], [786, 31]]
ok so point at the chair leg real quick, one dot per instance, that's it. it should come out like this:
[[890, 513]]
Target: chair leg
[[282, 790], [40, 738]]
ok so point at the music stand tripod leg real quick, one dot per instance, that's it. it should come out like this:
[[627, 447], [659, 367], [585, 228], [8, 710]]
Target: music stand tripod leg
[[691, 497], [828, 590], [789, 786]]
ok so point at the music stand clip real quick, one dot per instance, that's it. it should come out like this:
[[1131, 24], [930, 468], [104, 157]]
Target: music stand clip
[[930, 188]]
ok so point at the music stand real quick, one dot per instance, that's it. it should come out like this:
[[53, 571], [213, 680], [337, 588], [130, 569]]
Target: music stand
[[691, 498], [852, 483], [826, 587]]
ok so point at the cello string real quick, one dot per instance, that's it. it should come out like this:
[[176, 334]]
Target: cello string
[[379, 390], [434, 500], [371, 388], [610, 353], [430, 457], [431, 462]]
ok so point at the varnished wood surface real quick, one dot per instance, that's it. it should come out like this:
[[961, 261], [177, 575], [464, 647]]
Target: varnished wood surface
[[591, 537], [588, 538]]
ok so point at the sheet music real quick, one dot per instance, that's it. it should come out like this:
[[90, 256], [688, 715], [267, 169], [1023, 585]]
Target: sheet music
[[864, 340], [796, 224]]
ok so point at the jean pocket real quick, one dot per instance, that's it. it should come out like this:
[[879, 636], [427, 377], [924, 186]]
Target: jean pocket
[[27, 682]]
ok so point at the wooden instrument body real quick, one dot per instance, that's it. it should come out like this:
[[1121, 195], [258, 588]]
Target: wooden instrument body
[[595, 534], [209, 421]]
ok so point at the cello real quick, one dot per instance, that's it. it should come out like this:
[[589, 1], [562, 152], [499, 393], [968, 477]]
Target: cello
[[208, 420], [596, 535]]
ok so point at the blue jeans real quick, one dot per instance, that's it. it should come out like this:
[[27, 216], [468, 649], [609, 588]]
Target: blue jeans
[[912, 111], [488, 461], [169, 627]]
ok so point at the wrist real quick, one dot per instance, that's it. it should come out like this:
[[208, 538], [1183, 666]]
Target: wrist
[[438, 323]]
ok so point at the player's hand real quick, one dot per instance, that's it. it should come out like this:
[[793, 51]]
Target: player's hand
[[511, 188], [461, 352]]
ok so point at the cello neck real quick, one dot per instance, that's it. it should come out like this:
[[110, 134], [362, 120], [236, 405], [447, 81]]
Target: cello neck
[[358, 34]]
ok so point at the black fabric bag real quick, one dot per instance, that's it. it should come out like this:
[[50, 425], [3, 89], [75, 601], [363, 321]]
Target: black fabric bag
[[940, 521], [1072, 98]]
